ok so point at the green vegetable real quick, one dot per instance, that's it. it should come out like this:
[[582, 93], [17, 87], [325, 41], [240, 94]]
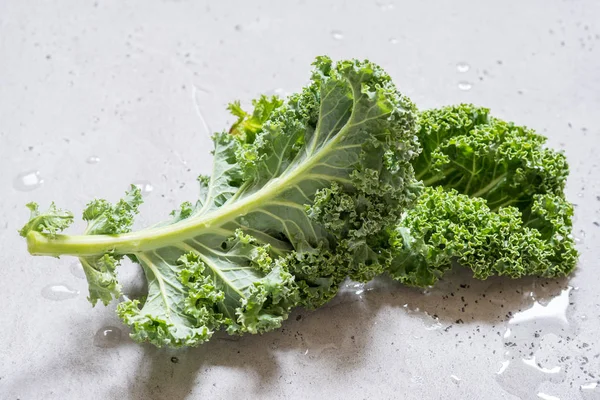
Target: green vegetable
[[494, 202], [301, 195], [320, 187], [52, 221]]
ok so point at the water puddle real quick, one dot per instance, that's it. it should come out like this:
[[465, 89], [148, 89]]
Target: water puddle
[[526, 366]]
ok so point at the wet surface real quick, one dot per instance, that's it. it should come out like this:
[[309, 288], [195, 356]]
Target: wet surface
[[95, 96]]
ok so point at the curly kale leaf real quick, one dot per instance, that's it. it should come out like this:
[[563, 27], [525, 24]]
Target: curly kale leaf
[[50, 222], [194, 290], [494, 202], [446, 227], [481, 156], [104, 218], [259, 240]]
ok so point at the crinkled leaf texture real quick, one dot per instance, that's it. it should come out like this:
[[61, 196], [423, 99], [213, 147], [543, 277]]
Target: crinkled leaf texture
[[494, 202], [302, 194], [52, 221], [446, 226], [467, 150]]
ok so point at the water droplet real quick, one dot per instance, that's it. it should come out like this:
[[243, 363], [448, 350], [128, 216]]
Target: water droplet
[[319, 349], [356, 287], [434, 326], [28, 181], [107, 337], [93, 160], [393, 40], [278, 92], [77, 270], [591, 388], [580, 238], [337, 35], [59, 292], [145, 186], [428, 291], [174, 360], [462, 67], [547, 396], [464, 85], [383, 5]]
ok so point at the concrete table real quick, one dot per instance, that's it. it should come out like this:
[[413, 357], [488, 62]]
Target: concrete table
[[95, 95]]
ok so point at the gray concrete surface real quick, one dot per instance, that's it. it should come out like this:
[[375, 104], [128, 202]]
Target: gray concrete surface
[[139, 84]]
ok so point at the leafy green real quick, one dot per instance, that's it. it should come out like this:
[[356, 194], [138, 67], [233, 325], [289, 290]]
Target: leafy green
[[52, 221], [446, 227], [481, 156], [494, 202], [104, 218], [343, 179], [261, 238]]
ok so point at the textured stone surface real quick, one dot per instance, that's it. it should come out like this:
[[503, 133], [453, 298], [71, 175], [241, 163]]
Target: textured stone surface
[[96, 95]]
